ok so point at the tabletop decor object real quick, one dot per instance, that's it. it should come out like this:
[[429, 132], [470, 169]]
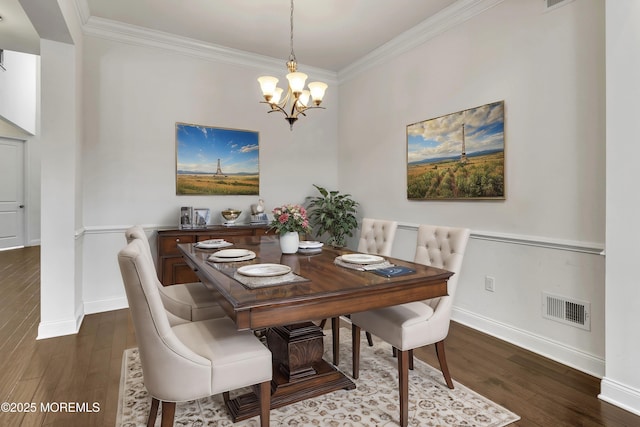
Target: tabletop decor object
[[289, 220], [335, 214], [230, 215]]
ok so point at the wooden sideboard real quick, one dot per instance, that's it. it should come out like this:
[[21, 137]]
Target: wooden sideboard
[[172, 268]]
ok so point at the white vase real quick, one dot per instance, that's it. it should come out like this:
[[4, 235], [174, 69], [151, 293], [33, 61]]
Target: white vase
[[289, 242]]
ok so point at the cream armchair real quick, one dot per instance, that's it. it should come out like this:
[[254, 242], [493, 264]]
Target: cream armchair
[[190, 360], [186, 301], [413, 325], [376, 237]]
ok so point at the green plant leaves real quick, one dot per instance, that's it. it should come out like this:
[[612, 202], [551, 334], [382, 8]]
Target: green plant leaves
[[334, 214]]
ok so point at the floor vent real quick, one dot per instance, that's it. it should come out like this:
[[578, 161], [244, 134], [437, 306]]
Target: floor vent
[[567, 311], [554, 4]]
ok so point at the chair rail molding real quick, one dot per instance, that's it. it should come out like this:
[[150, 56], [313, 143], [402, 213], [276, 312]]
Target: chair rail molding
[[519, 239]]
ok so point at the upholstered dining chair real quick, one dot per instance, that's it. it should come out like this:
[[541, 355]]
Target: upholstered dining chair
[[416, 324], [191, 360], [376, 237], [185, 301]]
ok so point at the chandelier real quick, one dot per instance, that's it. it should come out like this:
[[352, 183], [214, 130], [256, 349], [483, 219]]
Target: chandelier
[[296, 101]]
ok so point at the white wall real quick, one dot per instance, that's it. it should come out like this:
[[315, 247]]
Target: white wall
[[60, 136], [546, 235], [18, 90], [621, 385], [133, 96], [60, 292]]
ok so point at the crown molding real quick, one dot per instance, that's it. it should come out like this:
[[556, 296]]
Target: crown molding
[[454, 15], [82, 8], [134, 35]]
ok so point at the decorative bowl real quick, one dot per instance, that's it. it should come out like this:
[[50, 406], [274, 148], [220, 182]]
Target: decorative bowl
[[230, 215]]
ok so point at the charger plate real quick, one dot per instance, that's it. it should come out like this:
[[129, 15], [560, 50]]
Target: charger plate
[[362, 259], [264, 270]]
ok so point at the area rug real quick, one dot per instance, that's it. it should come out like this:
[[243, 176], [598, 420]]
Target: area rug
[[374, 402]]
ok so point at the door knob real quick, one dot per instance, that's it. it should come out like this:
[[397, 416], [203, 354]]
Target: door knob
[[21, 206]]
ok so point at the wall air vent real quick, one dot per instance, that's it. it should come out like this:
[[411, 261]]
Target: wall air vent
[[567, 311], [554, 4]]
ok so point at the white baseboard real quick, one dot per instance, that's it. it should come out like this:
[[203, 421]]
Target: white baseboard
[[72, 326], [91, 307], [550, 349], [59, 328], [620, 395]]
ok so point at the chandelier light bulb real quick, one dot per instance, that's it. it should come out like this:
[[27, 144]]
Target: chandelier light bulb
[[304, 98], [276, 96], [268, 86], [296, 82], [317, 91]]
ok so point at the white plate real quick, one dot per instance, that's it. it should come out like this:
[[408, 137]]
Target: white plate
[[232, 253], [264, 270], [213, 244], [362, 259], [307, 244], [248, 257]]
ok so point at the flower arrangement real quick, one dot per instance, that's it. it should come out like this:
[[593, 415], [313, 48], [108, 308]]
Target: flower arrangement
[[290, 217]]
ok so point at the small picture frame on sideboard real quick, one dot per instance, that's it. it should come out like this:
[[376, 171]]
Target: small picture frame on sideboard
[[186, 215], [201, 218]]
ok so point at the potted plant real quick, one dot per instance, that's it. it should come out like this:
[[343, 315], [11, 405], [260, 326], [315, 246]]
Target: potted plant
[[288, 221], [333, 213]]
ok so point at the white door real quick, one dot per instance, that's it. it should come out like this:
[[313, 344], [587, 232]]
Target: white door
[[11, 193]]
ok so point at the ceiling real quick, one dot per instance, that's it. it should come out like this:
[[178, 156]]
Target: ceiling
[[328, 34]]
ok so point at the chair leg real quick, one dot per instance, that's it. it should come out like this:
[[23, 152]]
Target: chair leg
[[355, 344], [153, 413], [322, 323], [411, 359], [168, 414], [369, 338], [443, 363], [265, 403], [403, 385]]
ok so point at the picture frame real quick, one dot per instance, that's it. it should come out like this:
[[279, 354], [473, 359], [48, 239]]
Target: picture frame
[[186, 217], [216, 161], [201, 217], [458, 156]]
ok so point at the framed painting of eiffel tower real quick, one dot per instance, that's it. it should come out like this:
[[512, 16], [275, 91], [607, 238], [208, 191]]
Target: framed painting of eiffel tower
[[459, 156], [216, 161]]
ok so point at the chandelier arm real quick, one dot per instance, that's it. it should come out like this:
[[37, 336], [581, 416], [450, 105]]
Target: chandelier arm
[[275, 107]]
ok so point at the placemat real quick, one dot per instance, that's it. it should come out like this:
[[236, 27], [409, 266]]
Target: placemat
[[252, 282], [362, 267]]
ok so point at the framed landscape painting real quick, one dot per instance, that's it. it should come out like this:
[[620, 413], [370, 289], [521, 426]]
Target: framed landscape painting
[[457, 156], [216, 161]]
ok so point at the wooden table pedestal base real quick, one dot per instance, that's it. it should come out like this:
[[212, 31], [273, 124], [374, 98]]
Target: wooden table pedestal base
[[299, 372]]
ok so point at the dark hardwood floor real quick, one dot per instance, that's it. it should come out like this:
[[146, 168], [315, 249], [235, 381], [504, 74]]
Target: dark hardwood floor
[[85, 368]]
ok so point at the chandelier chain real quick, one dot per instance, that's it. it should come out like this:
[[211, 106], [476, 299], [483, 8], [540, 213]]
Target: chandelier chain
[[292, 56]]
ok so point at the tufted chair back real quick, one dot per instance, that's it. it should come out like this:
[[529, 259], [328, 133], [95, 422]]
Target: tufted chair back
[[137, 232], [442, 247], [377, 236], [190, 373]]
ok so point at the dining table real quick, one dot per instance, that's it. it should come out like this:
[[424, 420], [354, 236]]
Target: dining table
[[282, 296]]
